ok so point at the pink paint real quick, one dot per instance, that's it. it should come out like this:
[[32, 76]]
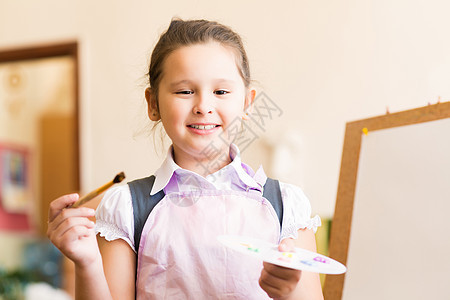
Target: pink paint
[[321, 260]]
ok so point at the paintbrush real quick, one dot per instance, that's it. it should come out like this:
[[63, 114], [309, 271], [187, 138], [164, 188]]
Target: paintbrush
[[119, 177]]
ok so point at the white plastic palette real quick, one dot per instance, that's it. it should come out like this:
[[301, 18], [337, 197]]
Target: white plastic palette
[[301, 259]]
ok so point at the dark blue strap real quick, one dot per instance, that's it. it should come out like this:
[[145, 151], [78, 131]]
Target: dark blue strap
[[143, 204], [272, 192]]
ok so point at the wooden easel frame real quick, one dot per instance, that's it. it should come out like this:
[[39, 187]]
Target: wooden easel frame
[[342, 220]]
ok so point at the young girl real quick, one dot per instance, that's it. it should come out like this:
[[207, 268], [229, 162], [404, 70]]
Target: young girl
[[199, 88]]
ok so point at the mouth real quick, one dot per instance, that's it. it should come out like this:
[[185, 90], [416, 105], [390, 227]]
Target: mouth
[[203, 127]]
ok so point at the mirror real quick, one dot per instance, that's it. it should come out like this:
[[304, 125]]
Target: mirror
[[391, 219], [39, 144]]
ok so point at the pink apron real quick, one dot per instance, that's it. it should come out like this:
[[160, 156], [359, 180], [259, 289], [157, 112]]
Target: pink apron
[[180, 256]]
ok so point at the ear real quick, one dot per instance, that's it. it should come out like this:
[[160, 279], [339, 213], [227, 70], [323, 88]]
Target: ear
[[248, 106], [153, 112]]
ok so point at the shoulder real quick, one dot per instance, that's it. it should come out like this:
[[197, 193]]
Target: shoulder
[[114, 215], [295, 203], [292, 192], [291, 195], [115, 198], [296, 211]]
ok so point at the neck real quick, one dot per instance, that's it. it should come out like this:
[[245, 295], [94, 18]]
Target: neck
[[201, 164]]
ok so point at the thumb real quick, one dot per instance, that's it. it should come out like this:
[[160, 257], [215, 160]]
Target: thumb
[[287, 245]]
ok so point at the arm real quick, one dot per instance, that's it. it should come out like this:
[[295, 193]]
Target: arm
[[111, 277], [96, 264], [283, 283], [309, 286], [71, 231], [119, 265]]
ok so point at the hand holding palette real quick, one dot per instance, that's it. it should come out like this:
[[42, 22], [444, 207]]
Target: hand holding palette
[[301, 259]]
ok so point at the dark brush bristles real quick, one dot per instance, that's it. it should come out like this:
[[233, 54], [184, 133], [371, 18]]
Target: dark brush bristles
[[119, 177]]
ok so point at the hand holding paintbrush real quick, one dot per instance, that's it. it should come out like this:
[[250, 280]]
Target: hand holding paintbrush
[[119, 177]]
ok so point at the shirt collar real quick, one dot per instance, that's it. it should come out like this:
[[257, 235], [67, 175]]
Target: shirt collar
[[164, 173], [244, 172]]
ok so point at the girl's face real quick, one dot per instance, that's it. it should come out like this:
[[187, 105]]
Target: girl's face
[[201, 99]]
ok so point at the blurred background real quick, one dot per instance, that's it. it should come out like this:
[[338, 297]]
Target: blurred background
[[71, 121]]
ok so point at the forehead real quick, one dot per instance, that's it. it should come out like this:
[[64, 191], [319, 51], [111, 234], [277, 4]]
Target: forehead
[[208, 61]]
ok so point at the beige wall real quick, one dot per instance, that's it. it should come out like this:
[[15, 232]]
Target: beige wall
[[323, 62]]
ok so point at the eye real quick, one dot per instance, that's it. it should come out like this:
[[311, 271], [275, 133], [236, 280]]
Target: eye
[[221, 92], [184, 92]]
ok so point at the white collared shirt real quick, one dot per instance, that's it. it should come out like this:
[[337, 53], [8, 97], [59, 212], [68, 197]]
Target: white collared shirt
[[114, 215], [222, 179]]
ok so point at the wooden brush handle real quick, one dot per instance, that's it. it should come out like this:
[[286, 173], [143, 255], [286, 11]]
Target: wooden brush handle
[[92, 195]]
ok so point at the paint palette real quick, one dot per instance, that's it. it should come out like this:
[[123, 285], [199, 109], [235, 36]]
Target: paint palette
[[301, 259]]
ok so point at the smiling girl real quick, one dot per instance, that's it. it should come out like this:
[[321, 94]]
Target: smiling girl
[[156, 236]]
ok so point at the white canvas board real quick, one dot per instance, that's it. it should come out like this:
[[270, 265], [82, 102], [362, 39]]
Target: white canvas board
[[400, 236]]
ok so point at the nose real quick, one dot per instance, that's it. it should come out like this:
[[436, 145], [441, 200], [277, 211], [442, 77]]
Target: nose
[[203, 104]]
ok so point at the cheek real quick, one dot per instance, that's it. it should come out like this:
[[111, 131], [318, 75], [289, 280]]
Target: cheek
[[173, 113], [234, 112], [234, 109]]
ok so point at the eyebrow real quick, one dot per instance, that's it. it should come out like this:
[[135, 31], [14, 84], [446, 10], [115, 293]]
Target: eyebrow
[[223, 80], [173, 84], [186, 81]]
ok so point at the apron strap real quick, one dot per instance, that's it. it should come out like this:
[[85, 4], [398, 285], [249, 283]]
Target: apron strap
[[272, 192], [143, 204]]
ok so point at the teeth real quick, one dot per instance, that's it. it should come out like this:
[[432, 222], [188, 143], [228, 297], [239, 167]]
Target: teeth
[[203, 127]]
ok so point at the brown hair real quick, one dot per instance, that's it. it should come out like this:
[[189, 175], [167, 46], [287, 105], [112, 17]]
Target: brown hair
[[184, 33]]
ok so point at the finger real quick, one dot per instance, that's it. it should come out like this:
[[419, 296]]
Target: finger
[[287, 245], [77, 232], [282, 272], [65, 241], [67, 214], [274, 287], [73, 224], [271, 280], [70, 223], [271, 291], [62, 202]]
